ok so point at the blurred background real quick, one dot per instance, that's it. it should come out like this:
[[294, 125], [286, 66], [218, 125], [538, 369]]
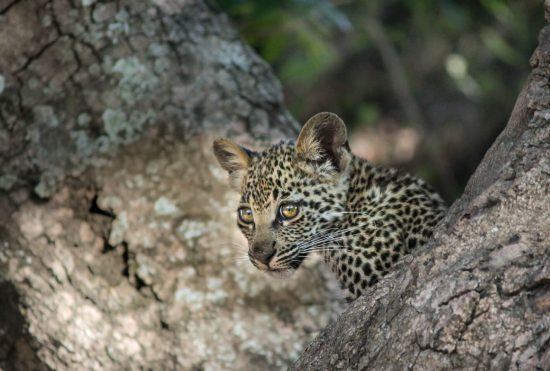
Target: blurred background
[[423, 85]]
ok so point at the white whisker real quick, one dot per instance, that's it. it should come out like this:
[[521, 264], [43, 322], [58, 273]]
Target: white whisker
[[330, 237]]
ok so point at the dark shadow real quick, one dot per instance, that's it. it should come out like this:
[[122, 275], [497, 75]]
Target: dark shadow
[[16, 351]]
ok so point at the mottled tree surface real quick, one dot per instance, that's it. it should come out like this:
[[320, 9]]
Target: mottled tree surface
[[478, 297], [116, 225]]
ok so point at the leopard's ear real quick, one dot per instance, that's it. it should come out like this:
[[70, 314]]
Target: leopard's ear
[[323, 144], [234, 159]]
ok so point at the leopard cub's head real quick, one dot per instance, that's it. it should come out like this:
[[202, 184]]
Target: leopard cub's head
[[291, 193]]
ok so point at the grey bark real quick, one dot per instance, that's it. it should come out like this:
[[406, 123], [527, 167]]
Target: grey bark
[[116, 225], [478, 296]]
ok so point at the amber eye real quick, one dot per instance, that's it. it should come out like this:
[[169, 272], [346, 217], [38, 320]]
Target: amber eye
[[245, 215], [288, 211]]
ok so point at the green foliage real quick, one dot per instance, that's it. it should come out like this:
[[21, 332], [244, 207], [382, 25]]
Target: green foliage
[[306, 39], [296, 37], [368, 113]]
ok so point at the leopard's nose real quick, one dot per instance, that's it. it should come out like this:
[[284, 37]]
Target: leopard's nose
[[263, 252]]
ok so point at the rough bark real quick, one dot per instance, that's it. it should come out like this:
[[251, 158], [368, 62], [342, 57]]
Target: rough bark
[[116, 225], [478, 296]]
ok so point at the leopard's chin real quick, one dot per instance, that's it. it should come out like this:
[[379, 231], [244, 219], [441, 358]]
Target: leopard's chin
[[280, 273]]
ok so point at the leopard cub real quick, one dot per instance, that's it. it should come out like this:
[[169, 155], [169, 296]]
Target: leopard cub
[[314, 195]]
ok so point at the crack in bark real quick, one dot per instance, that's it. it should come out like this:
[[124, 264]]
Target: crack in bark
[[458, 295], [173, 46], [35, 56], [529, 287], [471, 318], [5, 9], [73, 37], [429, 347]]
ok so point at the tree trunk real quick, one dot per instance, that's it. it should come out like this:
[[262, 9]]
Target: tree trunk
[[478, 297], [116, 224]]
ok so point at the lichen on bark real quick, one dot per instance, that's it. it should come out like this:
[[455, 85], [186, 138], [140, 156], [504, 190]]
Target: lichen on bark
[[105, 74]]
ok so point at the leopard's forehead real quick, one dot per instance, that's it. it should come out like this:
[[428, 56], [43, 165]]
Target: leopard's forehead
[[271, 175]]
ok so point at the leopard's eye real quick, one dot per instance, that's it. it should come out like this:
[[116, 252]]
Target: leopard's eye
[[288, 211], [245, 215]]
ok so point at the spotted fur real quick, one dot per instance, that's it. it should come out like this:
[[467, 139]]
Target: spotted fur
[[361, 218]]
